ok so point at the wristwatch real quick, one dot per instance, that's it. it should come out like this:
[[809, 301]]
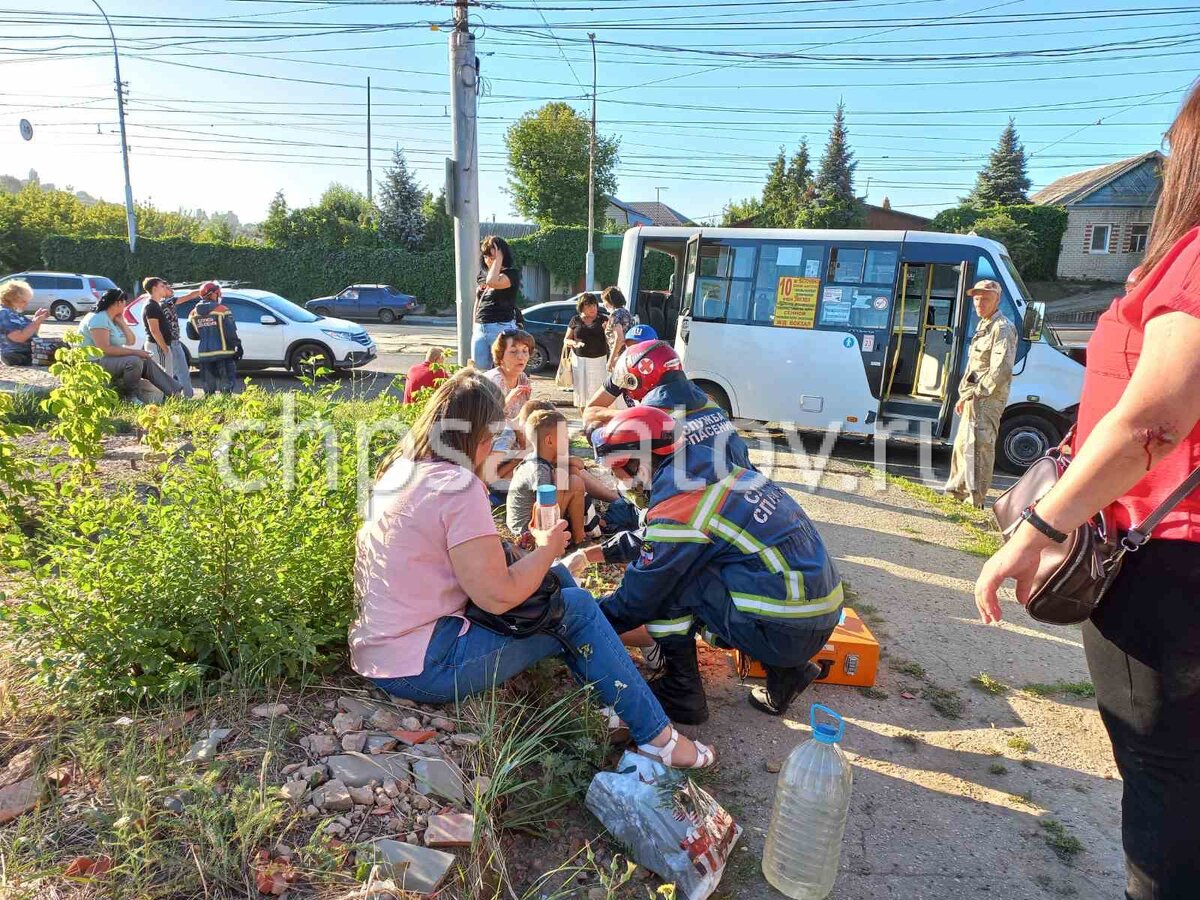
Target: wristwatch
[[1029, 514]]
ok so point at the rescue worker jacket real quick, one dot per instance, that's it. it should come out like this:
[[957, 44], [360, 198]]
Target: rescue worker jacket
[[212, 324], [741, 533]]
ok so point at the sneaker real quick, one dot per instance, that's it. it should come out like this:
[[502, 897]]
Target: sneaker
[[653, 658]]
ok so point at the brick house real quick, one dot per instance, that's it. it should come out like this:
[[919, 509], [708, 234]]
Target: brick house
[[1109, 210]]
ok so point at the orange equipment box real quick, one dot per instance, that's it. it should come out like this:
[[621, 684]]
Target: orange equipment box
[[850, 657]]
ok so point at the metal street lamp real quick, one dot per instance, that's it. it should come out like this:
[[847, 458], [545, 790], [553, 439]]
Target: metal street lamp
[[130, 217]]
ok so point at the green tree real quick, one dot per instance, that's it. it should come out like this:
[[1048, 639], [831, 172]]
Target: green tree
[[737, 211], [800, 183], [776, 196], [401, 202], [439, 224], [1004, 179], [275, 225], [834, 204], [548, 166]]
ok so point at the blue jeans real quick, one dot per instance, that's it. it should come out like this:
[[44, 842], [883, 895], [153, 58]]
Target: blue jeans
[[179, 369], [483, 335], [457, 666], [219, 376]]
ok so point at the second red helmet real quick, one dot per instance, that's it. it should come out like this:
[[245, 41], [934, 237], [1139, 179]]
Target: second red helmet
[[209, 289], [632, 432], [641, 367]]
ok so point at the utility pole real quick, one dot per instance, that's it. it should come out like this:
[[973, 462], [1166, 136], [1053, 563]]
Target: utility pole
[[370, 178], [462, 188], [589, 265], [130, 216]]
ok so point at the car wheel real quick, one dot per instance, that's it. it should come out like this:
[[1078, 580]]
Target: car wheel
[[539, 359], [717, 395], [386, 316], [1024, 439], [63, 311], [321, 311], [307, 358]]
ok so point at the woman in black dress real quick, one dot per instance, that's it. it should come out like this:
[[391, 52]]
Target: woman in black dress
[[589, 345]]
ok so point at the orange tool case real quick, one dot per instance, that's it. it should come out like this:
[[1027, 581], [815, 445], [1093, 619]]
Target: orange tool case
[[851, 655]]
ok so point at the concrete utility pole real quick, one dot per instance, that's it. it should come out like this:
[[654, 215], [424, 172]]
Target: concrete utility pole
[[462, 188], [589, 265], [130, 216], [370, 177]]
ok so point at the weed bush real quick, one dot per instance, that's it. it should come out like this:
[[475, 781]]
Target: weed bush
[[231, 560]]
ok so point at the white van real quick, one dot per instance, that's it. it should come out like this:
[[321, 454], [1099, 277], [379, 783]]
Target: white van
[[864, 331]]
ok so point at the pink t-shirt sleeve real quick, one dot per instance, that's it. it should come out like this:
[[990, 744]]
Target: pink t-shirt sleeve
[[466, 515]]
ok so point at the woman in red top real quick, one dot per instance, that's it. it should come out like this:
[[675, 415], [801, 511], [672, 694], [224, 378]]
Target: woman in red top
[[1138, 439]]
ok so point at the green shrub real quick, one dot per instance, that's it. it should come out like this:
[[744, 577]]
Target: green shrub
[[83, 403], [1037, 258], [227, 564]]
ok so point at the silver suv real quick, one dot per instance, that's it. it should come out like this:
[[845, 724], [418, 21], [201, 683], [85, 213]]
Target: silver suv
[[66, 295]]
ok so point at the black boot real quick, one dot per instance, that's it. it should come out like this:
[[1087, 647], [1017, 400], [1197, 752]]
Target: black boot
[[680, 689], [782, 687]]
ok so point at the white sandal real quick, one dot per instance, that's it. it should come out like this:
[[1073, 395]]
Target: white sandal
[[705, 756]]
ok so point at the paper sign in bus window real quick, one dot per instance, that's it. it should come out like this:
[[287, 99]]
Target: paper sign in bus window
[[796, 302], [835, 306]]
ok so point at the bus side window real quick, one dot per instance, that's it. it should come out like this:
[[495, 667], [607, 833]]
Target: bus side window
[[723, 282], [778, 261]]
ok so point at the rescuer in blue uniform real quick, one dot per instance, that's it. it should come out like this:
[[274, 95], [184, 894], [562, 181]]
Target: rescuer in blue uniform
[[731, 556]]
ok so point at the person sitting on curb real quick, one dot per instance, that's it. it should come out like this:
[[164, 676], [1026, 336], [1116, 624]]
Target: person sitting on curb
[[130, 366], [546, 436], [428, 374], [733, 557], [212, 324], [17, 330]]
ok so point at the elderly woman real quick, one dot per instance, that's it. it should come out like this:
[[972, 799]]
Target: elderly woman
[[129, 365], [1138, 440], [510, 353], [496, 297], [428, 544], [586, 338], [620, 320], [17, 330]]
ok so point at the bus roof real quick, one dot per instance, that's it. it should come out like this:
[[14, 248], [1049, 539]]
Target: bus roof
[[794, 234]]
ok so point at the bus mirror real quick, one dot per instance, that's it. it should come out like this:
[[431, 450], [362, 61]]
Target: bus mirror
[[1035, 318]]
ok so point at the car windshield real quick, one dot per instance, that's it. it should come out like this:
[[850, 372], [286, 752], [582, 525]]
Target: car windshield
[[286, 308]]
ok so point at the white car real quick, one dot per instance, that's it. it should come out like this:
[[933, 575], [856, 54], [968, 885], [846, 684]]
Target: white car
[[276, 333]]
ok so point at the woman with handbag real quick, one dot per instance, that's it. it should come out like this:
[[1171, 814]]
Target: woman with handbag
[[1138, 444], [589, 345], [428, 550]]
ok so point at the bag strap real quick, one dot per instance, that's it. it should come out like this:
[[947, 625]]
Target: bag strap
[[1139, 534]]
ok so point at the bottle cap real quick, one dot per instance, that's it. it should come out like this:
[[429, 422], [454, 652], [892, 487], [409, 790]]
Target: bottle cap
[[547, 495], [823, 732]]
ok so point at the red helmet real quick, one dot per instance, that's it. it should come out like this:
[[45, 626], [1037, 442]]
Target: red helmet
[[632, 432], [641, 367], [210, 287]]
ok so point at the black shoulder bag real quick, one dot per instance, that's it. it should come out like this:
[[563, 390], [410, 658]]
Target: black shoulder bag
[[541, 613]]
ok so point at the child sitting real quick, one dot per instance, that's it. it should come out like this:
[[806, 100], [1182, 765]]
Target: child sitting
[[546, 432]]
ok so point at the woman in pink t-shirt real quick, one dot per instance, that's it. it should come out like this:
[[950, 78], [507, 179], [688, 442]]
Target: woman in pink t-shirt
[[428, 543]]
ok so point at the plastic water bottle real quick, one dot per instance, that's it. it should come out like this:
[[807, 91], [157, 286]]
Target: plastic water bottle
[[545, 515], [812, 798]]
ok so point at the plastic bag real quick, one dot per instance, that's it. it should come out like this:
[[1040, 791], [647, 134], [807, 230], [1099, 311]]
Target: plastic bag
[[672, 827], [564, 378]]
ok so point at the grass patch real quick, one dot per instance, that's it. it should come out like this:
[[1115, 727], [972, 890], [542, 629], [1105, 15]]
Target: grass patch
[[1028, 764], [910, 668], [1023, 799], [982, 539], [998, 769], [1064, 844], [988, 684], [945, 702], [1082, 690], [873, 693], [1020, 744], [909, 740]]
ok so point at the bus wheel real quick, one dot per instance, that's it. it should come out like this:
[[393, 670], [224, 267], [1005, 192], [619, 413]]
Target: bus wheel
[[717, 395], [1024, 439]]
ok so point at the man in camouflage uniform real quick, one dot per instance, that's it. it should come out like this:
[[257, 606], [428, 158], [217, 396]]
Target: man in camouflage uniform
[[982, 396]]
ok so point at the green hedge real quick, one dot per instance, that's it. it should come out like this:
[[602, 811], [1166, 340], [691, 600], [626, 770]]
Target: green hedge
[[299, 275], [1047, 225]]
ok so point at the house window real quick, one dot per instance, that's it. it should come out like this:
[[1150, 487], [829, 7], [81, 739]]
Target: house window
[[1100, 236], [1138, 235]]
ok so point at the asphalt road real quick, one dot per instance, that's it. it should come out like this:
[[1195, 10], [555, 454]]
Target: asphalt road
[[403, 345]]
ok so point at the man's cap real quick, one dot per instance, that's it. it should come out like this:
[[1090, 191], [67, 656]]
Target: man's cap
[[982, 287]]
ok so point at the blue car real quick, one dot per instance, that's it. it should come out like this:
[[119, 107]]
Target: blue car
[[371, 302]]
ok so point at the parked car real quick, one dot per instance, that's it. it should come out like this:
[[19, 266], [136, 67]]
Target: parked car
[[66, 295], [375, 302], [547, 322], [275, 332]]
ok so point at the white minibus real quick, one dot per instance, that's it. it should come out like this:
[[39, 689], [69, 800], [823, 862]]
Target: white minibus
[[863, 331]]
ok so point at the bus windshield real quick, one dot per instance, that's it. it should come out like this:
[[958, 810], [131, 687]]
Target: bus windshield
[[1047, 329]]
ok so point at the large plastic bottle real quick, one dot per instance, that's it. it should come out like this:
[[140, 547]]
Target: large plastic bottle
[[812, 798]]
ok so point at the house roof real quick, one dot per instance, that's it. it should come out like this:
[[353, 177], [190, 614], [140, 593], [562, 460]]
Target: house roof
[[632, 215], [659, 213], [506, 230], [1073, 188]]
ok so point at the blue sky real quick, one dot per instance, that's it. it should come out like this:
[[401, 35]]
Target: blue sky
[[231, 100]]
